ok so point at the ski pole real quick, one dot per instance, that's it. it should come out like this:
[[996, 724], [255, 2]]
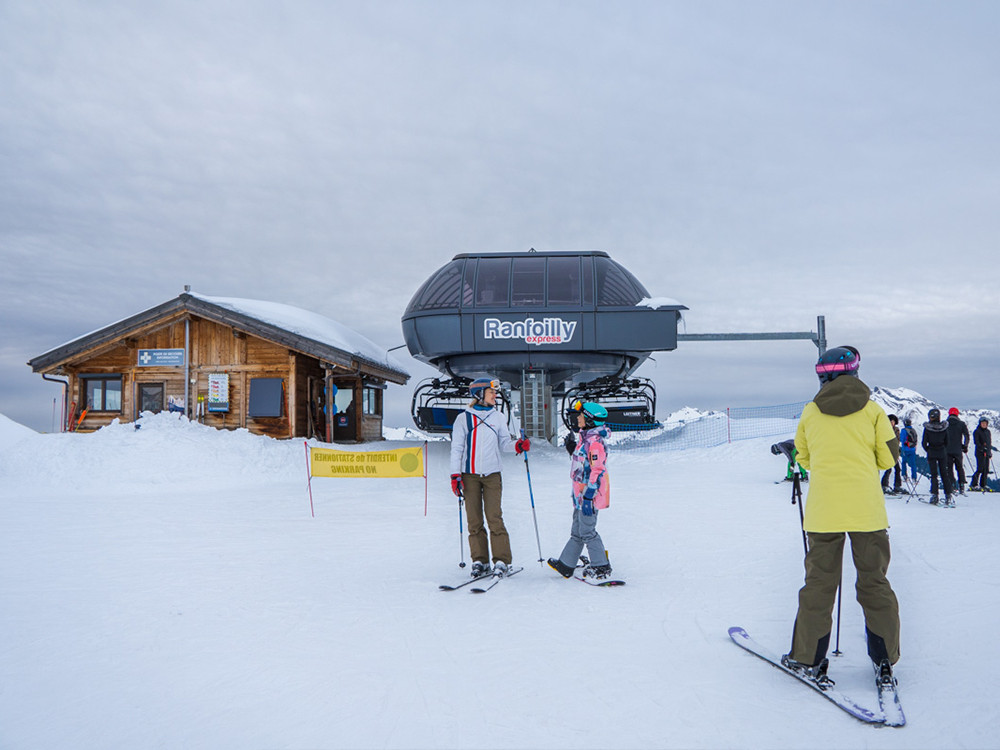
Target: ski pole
[[840, 595], [461, 541], [532, 496], [797, 496], [968, 461]]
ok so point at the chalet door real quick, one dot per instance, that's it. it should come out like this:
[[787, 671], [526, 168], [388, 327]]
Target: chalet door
[[150, 397]]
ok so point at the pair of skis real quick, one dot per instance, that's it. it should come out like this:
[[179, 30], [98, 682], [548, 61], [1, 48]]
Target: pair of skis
[[483, 578], [890, 713], [942, 503]]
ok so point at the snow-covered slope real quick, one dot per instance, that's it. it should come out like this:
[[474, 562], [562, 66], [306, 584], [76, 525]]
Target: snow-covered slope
[[167, 587]]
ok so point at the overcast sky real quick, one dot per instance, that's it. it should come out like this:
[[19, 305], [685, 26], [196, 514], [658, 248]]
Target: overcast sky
[[761, 162]]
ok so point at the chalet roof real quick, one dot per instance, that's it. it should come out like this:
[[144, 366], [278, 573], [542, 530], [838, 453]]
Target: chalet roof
[[307, 332]]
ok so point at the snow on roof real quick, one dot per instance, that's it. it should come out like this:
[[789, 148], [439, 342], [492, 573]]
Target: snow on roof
[[657, 302], [309, 325]]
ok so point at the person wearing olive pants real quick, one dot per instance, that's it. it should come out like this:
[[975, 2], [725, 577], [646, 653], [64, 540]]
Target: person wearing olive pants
[[845, 439]]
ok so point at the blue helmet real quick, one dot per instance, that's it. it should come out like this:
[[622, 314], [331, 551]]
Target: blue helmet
[[594, 415], [479, 385]]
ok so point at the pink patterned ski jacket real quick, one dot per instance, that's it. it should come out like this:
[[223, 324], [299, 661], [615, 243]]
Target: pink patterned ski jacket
[[589, 468]]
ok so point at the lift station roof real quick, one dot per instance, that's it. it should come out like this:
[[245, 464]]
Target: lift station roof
[[576, 315]]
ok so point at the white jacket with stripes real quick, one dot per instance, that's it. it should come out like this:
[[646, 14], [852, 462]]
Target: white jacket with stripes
[[478, 438]]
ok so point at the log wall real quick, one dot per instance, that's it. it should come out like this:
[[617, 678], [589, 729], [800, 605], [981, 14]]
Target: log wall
[[216, 348]]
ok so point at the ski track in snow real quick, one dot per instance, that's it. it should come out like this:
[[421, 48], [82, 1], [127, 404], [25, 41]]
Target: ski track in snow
[[167, 587]]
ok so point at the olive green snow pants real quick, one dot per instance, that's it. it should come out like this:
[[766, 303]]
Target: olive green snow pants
[[824, 562], [482, 499]]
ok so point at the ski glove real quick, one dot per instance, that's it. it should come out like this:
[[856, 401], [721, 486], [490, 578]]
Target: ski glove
[[587, 507], [456, 484], [570, 443], [522, 446]]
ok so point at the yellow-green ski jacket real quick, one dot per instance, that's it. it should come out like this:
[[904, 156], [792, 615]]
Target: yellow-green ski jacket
[[844, 440]]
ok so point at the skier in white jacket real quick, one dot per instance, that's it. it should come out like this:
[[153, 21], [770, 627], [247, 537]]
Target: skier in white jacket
[[478, 438]]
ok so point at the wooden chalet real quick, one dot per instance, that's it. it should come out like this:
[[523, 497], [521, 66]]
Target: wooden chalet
[[274, 369]]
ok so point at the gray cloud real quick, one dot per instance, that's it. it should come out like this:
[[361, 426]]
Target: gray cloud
[[762, 163]]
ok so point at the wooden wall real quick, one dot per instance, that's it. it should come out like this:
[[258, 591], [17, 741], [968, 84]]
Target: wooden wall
[[214, 348]]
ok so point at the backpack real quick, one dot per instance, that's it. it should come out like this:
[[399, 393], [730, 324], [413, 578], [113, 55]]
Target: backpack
[[910, 437]]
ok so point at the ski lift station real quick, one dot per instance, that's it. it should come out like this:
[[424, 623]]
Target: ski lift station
[[555, 326]]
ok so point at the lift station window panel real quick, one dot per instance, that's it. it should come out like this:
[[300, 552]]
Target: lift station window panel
[[442, 290], [616, 287], [528, 282], [564, 281], [493, 282]]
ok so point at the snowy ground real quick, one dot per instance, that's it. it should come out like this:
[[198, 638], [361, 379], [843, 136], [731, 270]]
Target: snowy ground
[[167, 588]]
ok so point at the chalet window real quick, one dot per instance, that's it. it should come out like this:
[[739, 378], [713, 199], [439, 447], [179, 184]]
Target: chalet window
[[370, 401], [102, 392], [266, 397], [151, 397]]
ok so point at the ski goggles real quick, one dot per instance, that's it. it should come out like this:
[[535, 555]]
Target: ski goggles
[[576, 405], [825, 368], [483, 383]]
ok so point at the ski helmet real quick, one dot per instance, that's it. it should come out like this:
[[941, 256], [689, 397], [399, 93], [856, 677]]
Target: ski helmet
[[908, 422], [479, 385], [934, 415], [953, 411], [838, 361], [984, 420], [594, 415]]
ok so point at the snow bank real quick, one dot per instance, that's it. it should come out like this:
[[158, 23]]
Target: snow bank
[[12, 432]]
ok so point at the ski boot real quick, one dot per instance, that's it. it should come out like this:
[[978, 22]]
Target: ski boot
[[480, 569], [500, 568], [883, 675], [816, 673], [597, 572], [934, 499], [557, 565]]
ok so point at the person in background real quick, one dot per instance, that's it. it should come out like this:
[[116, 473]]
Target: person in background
[[897, 484], [958, 446], [844, 439], [478, 438], [786, 448], [935, 443], [908, 449], [982, 440], [590, 492]]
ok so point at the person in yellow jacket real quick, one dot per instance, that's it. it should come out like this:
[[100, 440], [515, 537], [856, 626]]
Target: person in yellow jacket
[[845, 439]]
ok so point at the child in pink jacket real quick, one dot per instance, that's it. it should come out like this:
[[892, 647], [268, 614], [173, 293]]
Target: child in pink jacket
[[591, 492]]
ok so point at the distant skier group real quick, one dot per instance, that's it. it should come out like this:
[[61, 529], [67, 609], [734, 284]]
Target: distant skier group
[[946, 444]]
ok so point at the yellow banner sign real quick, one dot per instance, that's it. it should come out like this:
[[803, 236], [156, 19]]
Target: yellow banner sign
[[402, 462]]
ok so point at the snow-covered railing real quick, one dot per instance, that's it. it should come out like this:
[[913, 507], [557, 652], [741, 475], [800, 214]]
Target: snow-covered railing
[[714, 428]]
